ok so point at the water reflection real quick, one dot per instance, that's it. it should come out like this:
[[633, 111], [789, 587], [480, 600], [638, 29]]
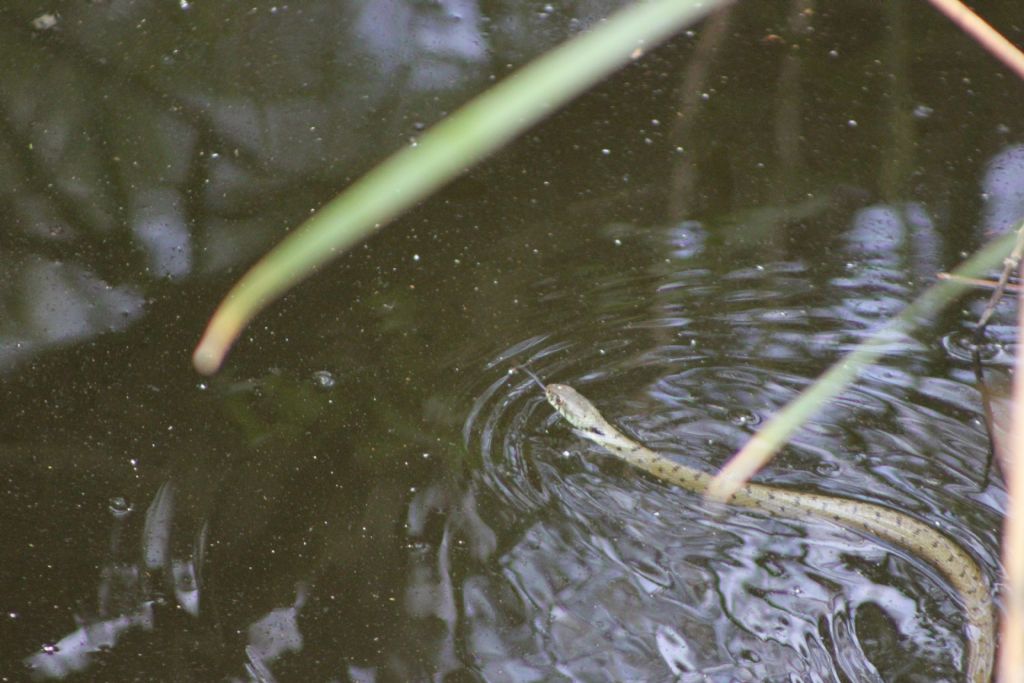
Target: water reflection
[[545, 558], [377, 556], [52, 303], [131, 588], [681, 590], [367, 492], [143, 143]]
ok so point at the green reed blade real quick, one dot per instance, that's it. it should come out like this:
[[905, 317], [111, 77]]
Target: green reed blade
[[777, 430], [477, 129]]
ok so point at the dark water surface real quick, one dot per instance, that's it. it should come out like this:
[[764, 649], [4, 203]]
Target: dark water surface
[[365, 492]]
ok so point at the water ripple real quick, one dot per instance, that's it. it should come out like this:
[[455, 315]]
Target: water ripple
[[692, 364]]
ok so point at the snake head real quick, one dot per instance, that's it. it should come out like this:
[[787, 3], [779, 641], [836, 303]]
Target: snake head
[[573, 406]]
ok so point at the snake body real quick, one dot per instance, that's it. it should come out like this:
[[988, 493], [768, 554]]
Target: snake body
[[895, 527]]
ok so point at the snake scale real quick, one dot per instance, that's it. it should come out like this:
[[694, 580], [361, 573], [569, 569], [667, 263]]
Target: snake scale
[[898, 528]]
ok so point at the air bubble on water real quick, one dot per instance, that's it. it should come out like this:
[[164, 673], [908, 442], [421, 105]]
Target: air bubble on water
[[324, 379], [826, 469], [44, 22], [743, 418], [50, 648], [851, 123], [419, 547], [962, 345], [120, 506], [922, 111]]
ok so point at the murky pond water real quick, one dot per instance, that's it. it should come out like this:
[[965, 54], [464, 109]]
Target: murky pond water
[[368, 490]]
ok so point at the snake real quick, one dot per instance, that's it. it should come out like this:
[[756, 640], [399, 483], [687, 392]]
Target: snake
[[898, 528]]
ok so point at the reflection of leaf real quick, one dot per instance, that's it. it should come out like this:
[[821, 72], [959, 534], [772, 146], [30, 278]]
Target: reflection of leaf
[[137, 144], [49, 303]]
